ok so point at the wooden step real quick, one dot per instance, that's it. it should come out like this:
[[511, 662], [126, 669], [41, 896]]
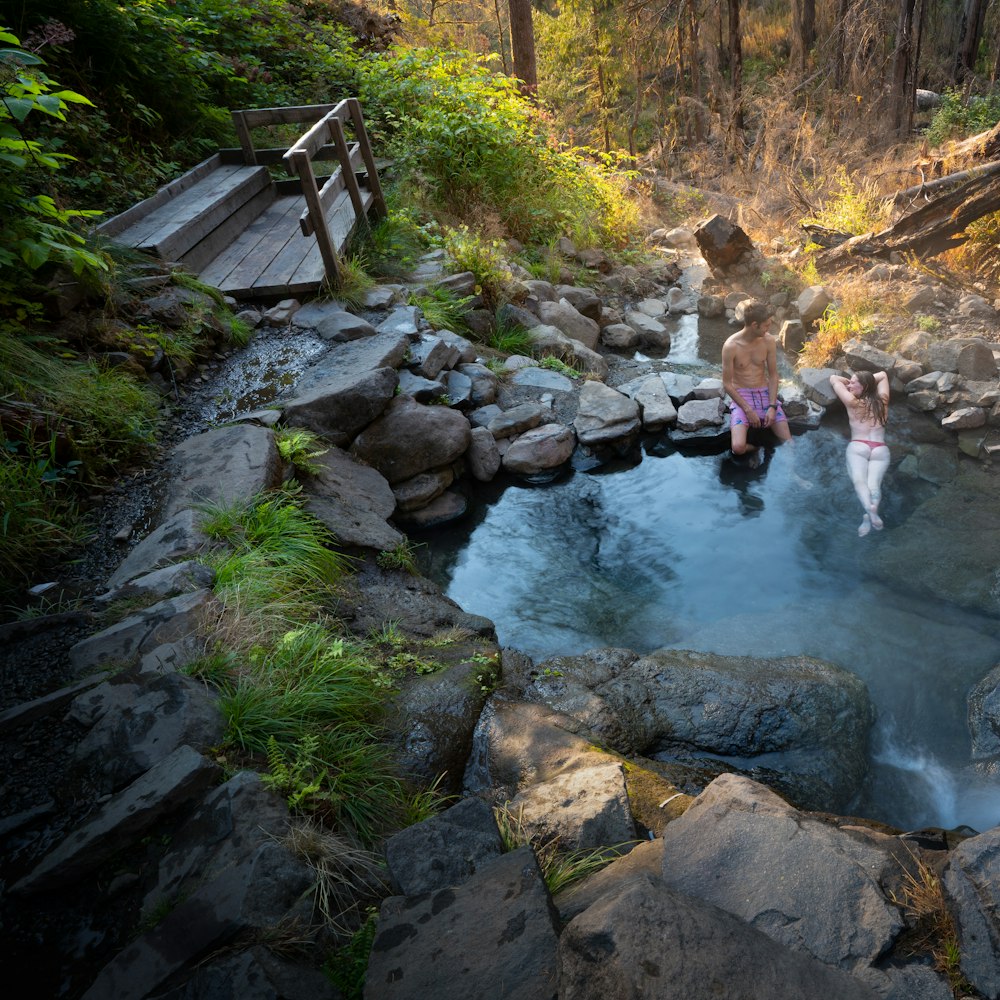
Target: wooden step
[[272, 256], [174, 227]]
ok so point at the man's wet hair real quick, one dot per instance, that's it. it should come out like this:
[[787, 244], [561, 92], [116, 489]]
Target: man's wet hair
[[756, 312]]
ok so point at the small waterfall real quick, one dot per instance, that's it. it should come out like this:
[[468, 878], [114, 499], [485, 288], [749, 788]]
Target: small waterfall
[[932, 794]]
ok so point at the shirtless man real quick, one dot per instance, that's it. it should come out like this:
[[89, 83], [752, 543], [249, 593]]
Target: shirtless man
[[750, 376]]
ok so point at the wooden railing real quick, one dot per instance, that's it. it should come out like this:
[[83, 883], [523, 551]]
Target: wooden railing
[[325, 140]]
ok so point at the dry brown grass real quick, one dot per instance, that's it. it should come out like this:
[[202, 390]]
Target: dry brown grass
[[348, 879], [931, 926]]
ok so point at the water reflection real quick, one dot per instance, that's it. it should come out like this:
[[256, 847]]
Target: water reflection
[[699, 552]]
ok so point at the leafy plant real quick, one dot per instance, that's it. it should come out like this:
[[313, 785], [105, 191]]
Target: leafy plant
[[484, 258], [960, 115], [929, 324], [556, 365], [442, 309], [833, 330], [34, 230], [348, 966], [403, 557], [300, 446], [855, 206]]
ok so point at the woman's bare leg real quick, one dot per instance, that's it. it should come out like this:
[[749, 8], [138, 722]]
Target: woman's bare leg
[[857, 469], [878, 465]]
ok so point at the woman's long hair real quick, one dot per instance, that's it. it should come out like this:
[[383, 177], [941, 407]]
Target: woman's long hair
[[872, 402]]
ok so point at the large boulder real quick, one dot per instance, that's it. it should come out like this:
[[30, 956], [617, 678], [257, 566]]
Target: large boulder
[[722, 243], [349, 387], [984, 722], [572, 323], [971, 883], [222, 465], [353, 500], [960, 566], [585, 808], [445, 850], [645, 941], [812, 303], [686, 705], [432, 719], [804, 883], [410, 438]]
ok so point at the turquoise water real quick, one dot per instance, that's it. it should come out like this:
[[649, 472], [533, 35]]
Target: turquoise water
[[695, 552]]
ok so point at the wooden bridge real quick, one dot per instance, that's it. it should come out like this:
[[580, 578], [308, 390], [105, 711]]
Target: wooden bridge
[[250, 235]]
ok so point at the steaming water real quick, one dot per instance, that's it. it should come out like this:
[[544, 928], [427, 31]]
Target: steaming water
[[695, 552]]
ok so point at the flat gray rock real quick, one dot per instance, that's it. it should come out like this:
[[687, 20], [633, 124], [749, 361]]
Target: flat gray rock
[[166, 621], [223, 465], [173, 782], [498, 927], [650, 943], [135, 720], [445, 850], [338, 408], [542, 378], [585, 808], [176, 539], [805, 884]]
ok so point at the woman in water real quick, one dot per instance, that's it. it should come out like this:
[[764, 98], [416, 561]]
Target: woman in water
[[866, 397]]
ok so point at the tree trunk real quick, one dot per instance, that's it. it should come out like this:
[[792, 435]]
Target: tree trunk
[[803, 32], [933, 228], [902, 69], [969, 32], [840, 44], [736, 65], [522, 42]]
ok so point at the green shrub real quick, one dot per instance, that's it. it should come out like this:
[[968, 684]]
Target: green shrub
[[855, 207], [959, 116], [35, 232]]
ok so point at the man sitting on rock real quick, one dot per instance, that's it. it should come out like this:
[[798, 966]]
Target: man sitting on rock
[[750, 377]]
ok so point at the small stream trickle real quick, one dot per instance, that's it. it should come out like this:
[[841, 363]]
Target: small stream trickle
[[693, 551]]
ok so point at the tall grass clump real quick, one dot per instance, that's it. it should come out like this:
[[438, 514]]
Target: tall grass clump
[[301, 702]]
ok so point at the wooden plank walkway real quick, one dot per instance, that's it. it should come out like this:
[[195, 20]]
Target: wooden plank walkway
[[231, 224]]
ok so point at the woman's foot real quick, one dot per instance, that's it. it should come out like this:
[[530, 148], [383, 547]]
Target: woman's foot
[[865, 526], [877, 522]]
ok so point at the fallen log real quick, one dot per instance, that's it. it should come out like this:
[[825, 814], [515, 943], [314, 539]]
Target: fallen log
[[929, 230], [930, 187]]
